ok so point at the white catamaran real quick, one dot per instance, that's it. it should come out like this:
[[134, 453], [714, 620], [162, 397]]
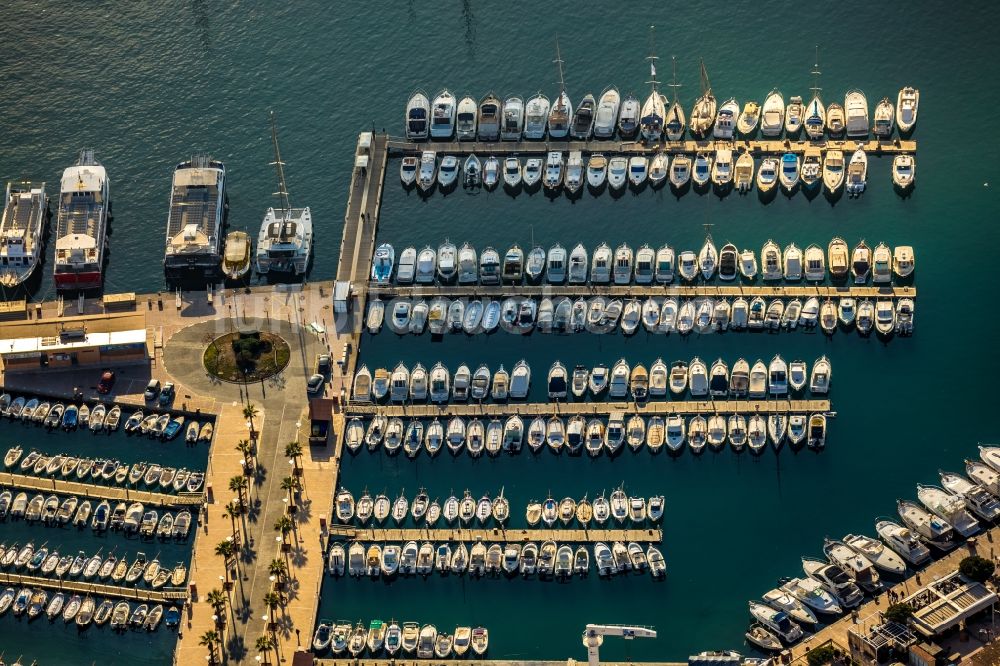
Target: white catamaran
[[285, 238]]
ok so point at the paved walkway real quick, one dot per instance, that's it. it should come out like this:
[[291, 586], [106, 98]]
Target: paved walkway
[[986, 544], [282, 418]]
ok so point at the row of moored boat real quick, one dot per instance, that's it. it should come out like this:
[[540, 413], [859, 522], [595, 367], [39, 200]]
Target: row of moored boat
[[596, 436], [47, 562], [656, 315], [104, 470], [410, 638], [466, 511], [778, 378], [941, 518], [86, 610], [549, 560], [645, 266], [724, 169]]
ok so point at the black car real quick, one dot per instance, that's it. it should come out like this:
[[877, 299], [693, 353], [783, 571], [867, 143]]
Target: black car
[[314, 384], [152, 390], [323, 365]]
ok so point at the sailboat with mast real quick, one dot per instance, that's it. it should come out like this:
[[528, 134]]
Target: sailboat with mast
[[654, 108], [676, 121], [561, 114], [703, 113], [815, 112], [285, 238]]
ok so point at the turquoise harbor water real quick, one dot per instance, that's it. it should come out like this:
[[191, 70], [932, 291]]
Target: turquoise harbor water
[[149, 86]]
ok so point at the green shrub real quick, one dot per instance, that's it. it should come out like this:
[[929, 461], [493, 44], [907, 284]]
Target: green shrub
[[976, 568], [899, 613]]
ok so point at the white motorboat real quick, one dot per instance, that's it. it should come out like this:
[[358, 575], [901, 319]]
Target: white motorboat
[[834, 580], [638, 168], [536, 117], [767, 175], [930, 527], [628, 117], [465, 119], [789, 174], [447, 174], [854, 563], [427, 175], [491, 172], [884, 119], [532, 174], [24, 219], [977, 499], [618, 172], [680, 171], [792, 263], [749, 118], [418, 111], [658, 169], [443, 111], [725, 121], [904, 542], [489, 119], [776, 621], [722, 167], [948, 507], [512, 120], [597, 171], [782, 600], [772, 116], [702, 172], [833, 170], [813, 595], [907, 103], [574, 172], [606, 117], [904, 171], [553, 170], [794, 113], [856, 112], [857, 173], [511, 173], [875, 551]]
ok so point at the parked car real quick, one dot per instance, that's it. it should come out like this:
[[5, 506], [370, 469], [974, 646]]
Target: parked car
[[315, 384], [152, 390], [167, 394], [323, 365], [107, 382]]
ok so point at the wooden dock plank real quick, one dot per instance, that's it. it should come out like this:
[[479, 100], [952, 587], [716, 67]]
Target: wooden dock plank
[[642, 291], [164, 595], [495, 534], [649, 408], [399, 146], [86, 490]]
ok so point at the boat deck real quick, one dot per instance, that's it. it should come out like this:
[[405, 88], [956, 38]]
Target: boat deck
[[496, 534], [90, 491], [649, 408], [23, 214], [398, 146], [164, 595], [643, 291]]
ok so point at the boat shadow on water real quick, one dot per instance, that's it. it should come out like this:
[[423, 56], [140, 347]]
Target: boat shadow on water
[[833, 197], [767, 197]]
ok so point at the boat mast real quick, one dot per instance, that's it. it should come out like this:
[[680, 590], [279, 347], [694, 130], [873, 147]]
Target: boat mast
[[674, 86], [815, 73], [559, 64], [652, 57], [282, 192], [706, 85]]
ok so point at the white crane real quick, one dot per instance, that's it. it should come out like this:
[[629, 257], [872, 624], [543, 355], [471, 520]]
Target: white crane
[[593, 637]]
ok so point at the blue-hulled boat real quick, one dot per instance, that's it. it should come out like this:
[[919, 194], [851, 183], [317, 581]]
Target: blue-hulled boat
[[70, 417]]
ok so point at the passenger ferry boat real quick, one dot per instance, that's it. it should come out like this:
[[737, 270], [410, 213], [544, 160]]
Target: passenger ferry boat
[[196, 218], [82, 224], [285, 238], [25, 211]]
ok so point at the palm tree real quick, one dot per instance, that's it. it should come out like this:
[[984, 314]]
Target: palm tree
[[209, 639], [246, 448], [226, 549], [249, 412], [217, 599], [238, 484], [233, 511], [272, 600], [293, 450], [278, 568], [291, 484], [283, 525], [264, 644]]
